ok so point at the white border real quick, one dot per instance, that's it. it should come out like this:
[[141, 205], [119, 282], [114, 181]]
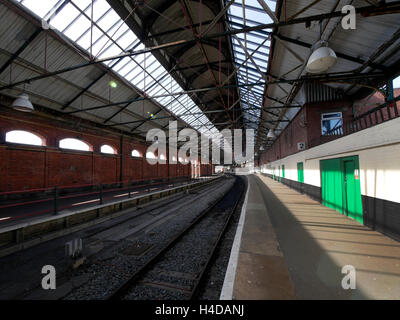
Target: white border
[[229, 281]]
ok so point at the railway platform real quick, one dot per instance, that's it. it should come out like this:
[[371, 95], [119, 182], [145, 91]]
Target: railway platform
[[289, 246]]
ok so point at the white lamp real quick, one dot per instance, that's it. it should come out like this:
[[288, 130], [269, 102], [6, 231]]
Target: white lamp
[[22, 103], [271, 134], [322, 59]]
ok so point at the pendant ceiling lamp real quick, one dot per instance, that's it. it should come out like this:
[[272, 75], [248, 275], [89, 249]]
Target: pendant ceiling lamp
[[271, 134], [22, 103], [322, 59]]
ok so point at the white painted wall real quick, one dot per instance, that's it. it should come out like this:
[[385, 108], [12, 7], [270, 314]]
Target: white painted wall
[[378, 149]]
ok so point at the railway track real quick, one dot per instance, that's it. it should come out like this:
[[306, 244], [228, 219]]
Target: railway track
[[178, 269], [153, 211], [149, 210]]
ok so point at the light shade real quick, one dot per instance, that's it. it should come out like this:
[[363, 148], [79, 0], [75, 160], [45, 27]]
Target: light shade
[[321, 60], [22, 103], [271, 134], [113, 84]]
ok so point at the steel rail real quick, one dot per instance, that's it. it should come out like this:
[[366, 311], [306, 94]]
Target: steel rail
[[127, 285], [207, 266]]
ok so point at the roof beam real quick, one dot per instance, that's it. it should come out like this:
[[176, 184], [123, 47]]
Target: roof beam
[[84, 90], [268, 11], [156, 35], [218, 17], [201, 65], [339, 54], [188, 15], [20, 50], [370, 10], [304, 9]]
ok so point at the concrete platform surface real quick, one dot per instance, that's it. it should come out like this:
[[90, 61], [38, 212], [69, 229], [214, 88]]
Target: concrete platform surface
[[292, 247]]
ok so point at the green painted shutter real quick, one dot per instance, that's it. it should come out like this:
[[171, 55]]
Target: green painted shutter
[[283, 171], [331, 184], [300, 172], [341, 188], [353, 203]]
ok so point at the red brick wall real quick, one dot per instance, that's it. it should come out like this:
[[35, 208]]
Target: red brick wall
[[19, 166], [314, 112], [305, 127], [373, 101], [28, 167], [286, 143]]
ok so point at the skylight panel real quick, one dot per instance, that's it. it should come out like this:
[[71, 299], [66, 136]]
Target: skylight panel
[[151, 64], [74, 31], [127, 42], [112, 50], [86, 37], [110, 36], [109, 20], [41, 8], [251, 46], [140, 85], [126, 69], [99, 40], [125, 62], [83, 4], [255, 36], [249, 77], [236, 10], [161, 91], [110, 41], [122, 30], [249, 72], [156, 72], [135, 73], [254, 73], [100, 8], [66, 16], [186, 118]]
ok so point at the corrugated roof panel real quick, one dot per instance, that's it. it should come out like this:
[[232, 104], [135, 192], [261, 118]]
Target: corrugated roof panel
[[253, 63], [110, 36]]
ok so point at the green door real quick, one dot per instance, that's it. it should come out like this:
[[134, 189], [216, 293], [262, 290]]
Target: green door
[[341, 186], [279, 174], [353, 204], [283, 171], [300, 172], [331, 184]]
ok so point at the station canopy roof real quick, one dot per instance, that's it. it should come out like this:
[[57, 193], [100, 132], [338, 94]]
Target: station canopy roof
[[132, 93], [211, 64]]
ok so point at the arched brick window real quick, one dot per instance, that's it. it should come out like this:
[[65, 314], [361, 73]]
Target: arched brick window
[[24, 137], [150, 155], [74, 144], [106, 149], [136, 154]]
